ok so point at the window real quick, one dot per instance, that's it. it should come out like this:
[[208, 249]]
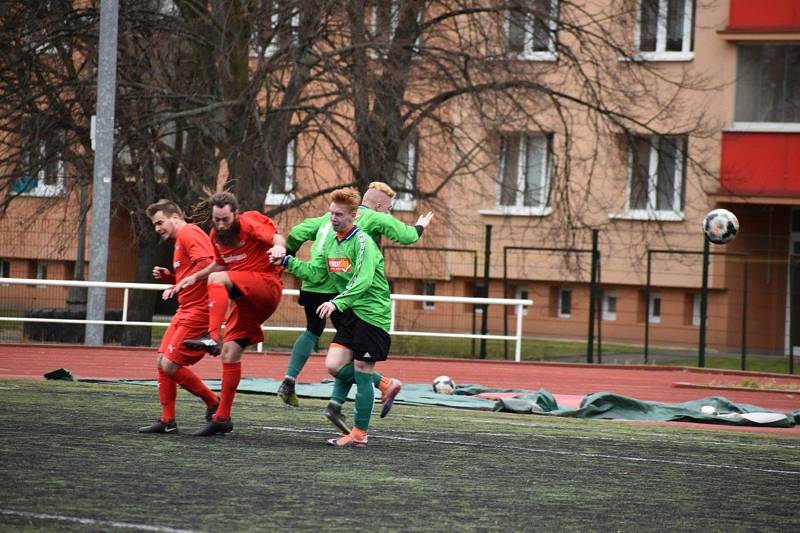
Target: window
[[38, 270], [385, 16], [657, 177], [428, 289], [276, 27], [404, 179], [696, 310], [524, 179], [41, 168], [531, 28], [520, 293], [610, 305], [768, 83], [5, 270], [665, 29], [281, 191], [654, 309], [564, 302]]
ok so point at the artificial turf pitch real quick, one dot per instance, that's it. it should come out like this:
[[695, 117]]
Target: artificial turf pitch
[[73, 461]]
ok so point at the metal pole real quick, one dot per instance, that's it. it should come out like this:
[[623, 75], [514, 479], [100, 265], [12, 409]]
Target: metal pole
[[599, 311], [701, 355], [592, 298], [103, 158], [792, 311], [474, 285], [505, 295], [744, 318], [647, 306], [485, 317]]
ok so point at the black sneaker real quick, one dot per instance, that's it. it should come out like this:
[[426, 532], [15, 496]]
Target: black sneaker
[[205, 343], [211, 411], [216, 427], [160, 427], [287, 394], [333, 412]]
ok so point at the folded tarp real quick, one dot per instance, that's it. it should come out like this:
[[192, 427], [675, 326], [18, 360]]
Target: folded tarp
[[601, 405]]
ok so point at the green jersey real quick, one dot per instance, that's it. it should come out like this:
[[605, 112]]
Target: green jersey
[[373, 223], [354, 263]]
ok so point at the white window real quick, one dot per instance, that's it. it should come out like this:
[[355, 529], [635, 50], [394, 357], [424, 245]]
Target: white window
[[383, 24], [41, 271], [405, 176], [664, 29], [654, 309], [564, 302], [696, 310], [521, 293], [276, 27], [531, 29], [281, 192], [428, 289], [609, 305], [768, 84], [524, 177], [42, 169], [656, 178]]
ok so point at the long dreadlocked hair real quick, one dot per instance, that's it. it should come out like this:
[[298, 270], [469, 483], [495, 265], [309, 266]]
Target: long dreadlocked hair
[[201, 211]]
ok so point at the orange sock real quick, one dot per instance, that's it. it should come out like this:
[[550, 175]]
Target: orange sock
[[192, 382], [231, 375], [167, 392], [384, 383], [358, 434], [217, 308]]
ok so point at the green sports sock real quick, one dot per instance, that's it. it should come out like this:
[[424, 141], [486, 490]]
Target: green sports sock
[[301, 350], [376, 379], [365, 399], [342, 383]]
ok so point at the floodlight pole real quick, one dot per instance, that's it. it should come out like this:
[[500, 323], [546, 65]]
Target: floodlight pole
[[701, 355], [103, 159]]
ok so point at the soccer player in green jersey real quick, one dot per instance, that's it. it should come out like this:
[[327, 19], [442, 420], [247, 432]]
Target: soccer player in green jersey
[[361, 309], [374, 219]]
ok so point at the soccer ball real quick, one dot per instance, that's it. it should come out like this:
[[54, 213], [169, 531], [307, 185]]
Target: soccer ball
[[444, 385], [720, 226]]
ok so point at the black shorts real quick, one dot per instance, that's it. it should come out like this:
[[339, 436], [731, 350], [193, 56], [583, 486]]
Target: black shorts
[[369, 343], [310, 301]]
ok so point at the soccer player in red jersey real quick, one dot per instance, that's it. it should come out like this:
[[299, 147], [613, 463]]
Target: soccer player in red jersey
[[241, 274], [193, 252]]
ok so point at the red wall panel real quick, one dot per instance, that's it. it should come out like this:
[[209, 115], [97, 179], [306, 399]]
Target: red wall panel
[[760, 163], [764, 15]]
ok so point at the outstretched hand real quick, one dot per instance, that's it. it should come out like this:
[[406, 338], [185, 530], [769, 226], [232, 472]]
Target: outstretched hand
[[325, 310], [185, 282], [276, 254], [161, 272], [425, 219]]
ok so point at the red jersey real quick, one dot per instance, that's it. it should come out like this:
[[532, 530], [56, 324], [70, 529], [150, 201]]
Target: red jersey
[[255, 240], [193, 252]]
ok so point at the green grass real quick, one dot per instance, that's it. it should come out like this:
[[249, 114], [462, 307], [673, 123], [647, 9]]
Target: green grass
[[71, 450]]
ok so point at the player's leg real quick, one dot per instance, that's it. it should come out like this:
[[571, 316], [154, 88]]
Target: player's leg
[[178, 359], [231, 376], [339, 363], [167, 389], [219, 286], [304, 345]]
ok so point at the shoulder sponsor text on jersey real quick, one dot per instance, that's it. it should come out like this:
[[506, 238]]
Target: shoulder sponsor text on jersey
[[339, 264]]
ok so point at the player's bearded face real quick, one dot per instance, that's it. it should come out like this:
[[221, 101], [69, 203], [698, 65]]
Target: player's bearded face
[[226, 226]]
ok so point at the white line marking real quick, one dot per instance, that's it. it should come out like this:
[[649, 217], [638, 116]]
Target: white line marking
[[92, 521], [554, 452]]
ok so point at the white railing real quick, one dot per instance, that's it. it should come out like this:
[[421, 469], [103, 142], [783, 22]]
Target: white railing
[[518, 304]]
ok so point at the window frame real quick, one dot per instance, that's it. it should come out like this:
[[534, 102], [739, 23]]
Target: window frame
[[522, 292], [289, 177], [652, 317], [405, 201], [544, 199], [426, 286], [608, 314], [758, 88], [650, 211], [661, 53], [274, 45], [43, 189], [561, 292], [696, 303], [528, 54]]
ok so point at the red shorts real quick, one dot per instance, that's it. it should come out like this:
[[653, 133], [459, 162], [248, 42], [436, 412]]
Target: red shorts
[[261, 294], [182, 327]]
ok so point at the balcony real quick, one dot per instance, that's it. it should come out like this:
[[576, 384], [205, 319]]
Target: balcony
[[764, 16], [760, 164]]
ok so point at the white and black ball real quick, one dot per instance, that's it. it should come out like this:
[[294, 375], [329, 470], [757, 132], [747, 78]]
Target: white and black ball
[[720, 226]]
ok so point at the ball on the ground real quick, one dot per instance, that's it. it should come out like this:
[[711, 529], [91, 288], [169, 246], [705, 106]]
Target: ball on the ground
[[444, 385], [720, 226], [708, 410]]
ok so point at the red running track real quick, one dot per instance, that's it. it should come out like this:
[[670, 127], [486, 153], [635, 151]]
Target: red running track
[[659, 384]]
